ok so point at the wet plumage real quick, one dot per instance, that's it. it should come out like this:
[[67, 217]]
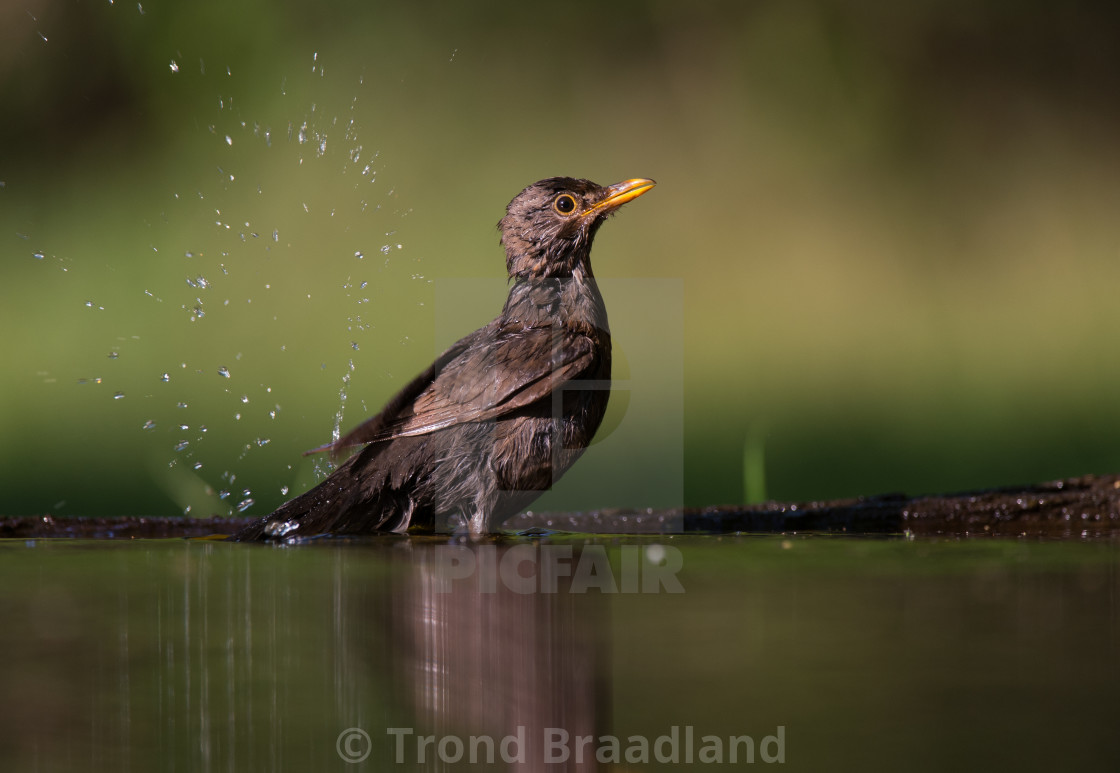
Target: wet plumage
[[505, 411]]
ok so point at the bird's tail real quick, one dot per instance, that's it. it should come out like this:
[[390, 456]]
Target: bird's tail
[[338, 505]]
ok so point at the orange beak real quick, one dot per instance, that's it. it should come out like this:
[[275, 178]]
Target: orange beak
[[620, 193]]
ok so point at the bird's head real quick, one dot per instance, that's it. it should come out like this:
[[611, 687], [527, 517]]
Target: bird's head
[[549, 226]]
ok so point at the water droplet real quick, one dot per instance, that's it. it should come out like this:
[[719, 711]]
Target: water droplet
[[223, 494], [354, 345], [385, 249], [284, 490], [181, 404], [197, 466], [114, 355], [174, 66], [263, 441], [229, 140], [118, 395], [244, 398], [38, 255], [181, 445], [245, 504], [149, 424], [165, 377], [223, 372], [275, 235], [184, 427], [280, 528]]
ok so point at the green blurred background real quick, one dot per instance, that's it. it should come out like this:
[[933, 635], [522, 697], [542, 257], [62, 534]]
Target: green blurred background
[[894, 230]]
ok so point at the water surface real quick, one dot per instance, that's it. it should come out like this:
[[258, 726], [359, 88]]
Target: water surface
[[825, 653]]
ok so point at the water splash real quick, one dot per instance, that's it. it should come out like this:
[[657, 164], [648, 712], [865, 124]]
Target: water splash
[[336, 431], [280, 528]]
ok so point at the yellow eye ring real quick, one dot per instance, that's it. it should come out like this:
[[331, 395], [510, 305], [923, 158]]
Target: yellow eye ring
[[564, 204]]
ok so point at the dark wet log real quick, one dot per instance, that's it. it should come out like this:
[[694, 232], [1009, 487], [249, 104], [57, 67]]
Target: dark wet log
[[1085, 507], [125, 527], [1088, 506]]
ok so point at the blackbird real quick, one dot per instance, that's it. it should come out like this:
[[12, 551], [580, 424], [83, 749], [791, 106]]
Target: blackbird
[[504, 412]]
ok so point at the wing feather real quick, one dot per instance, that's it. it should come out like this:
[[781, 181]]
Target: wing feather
[[523, 365]]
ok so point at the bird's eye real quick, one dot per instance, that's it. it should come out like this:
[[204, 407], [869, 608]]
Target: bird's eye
[[564, 204]]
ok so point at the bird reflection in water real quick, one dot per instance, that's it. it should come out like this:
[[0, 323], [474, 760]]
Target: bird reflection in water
[[479, 656]]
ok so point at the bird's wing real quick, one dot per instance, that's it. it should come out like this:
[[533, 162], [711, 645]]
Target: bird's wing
[[486, 375]]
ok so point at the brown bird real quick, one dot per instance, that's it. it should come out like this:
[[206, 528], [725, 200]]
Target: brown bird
[[503, 413]]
